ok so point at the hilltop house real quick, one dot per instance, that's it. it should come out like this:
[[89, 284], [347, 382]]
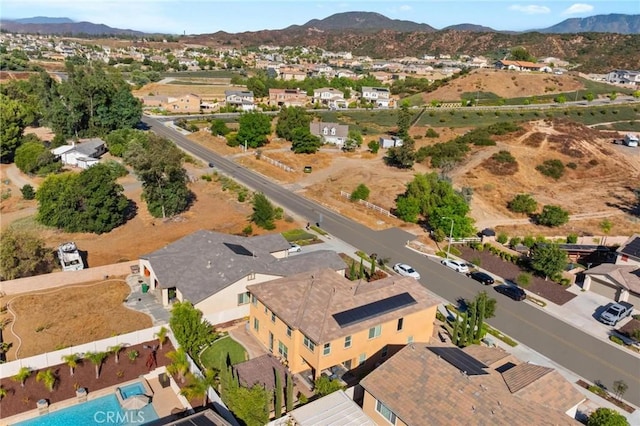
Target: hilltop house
[[319, 322], [620, 281], [379, 96], [84, 154], [287, 97], [331, 133], [623, 77], [328, 96], [242, 99], [521, 66], [475, 385], [188, 103], [211, 270]]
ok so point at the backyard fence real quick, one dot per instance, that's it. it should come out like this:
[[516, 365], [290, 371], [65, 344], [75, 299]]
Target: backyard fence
[[464, 240], [274, 162], [369, 205]]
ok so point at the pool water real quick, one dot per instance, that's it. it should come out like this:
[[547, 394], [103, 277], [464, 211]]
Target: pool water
[[100, 411], [132, 389]]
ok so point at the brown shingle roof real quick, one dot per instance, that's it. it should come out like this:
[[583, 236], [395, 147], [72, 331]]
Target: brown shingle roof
[[486, 355], [553, 391], [523, 375], [626, 276], [308, 301], [260, 371], [422, 389]]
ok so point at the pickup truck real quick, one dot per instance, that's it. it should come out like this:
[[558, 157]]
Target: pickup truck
[[615, 313]]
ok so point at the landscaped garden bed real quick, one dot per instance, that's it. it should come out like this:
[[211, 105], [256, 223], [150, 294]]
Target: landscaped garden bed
[[548, 290], [602, 392]]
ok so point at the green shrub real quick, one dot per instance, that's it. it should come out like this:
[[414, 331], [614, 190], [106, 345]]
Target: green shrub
[[553, 216], [572, 166], [514, 241], [360, 193], [431, 133], [616, 339], [28, 193], [572, 238], [502, 238], [207, 178], [524, 279], [523, 203], [551, 168]]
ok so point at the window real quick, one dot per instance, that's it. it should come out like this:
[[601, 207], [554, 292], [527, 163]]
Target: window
[[266, 310], [385, 351], [243, 298], [409, 339], [256, 324], [400, 324], [326, 350], [385, 412], [309, 344], [289, 331], [375, 331], [362, 358], [254, 300], [282, 350], [347, 342], [251, 276], [273, 317]]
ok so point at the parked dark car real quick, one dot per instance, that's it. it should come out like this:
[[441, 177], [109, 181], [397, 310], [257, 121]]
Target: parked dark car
[[211, 165], [515, 293], [481, 277]]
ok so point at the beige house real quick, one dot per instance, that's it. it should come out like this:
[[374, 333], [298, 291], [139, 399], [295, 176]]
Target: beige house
[[331, 133], [321, 323], [620, 281], [188, 103], [444, 385], [288, 97], [212, 270]]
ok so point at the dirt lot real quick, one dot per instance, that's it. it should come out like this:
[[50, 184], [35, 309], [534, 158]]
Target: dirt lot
[[505, 84], [69, 316], [206, 89]]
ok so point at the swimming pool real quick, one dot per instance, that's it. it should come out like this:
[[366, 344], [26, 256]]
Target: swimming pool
[[100, 411], [133, 389]]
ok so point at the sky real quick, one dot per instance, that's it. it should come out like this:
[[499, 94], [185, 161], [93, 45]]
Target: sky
[[209, 16]]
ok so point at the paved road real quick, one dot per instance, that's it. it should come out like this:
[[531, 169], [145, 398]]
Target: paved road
[[575, 350]]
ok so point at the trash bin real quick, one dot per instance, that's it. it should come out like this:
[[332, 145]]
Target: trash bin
[[145, 288]]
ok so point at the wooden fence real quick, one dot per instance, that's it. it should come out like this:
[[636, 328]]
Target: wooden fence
[[369, 205]]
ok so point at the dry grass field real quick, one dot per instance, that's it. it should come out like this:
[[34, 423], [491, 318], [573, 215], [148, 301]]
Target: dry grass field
[[207, 89]]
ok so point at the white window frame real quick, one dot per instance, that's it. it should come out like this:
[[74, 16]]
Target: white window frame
[[244, 298], [347, 342], [283, 350], [375, 332], [385, 412], [289, 331], [256, 324], [308, 343], [326, 349]]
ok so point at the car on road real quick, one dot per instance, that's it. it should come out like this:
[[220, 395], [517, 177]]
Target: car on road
[[616, 313], [515, 293], [211, 165], [456, 265], [481, 277], [406, 270], [294, 248]]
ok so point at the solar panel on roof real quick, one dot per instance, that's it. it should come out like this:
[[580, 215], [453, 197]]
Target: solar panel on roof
[[460, 359], [633, 248], [239, 249], [373, 309]]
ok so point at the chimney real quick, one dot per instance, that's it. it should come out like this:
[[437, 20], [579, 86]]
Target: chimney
[[209, 264]]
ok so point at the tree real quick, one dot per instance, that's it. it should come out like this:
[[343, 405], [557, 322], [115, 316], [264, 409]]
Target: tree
[[254, 128], [251, 405], [162, 335], [548, 259], [589, 96], [521, 54], [523, 203], [303, 142], [560, 99], [179, 364], [23, 254], [219, 128], [198, 386], [47, 377], [373, 146], [119, 140], [12, 117], [28, 193], [324, 386], [27, 156], [619, 388], [360, 193], [606, 226], [96, 358], [289, 396], [290, 119], [354, 141], [403, 156], [553, 216], [72, 361], [115, 350], [277, 405], [263, 211], [22, 375], [191, 331], [606, 417]]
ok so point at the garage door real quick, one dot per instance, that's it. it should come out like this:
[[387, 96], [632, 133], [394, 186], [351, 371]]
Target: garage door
[[603, 289]]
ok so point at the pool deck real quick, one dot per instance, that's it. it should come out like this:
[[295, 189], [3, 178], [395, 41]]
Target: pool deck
[[164, 400]]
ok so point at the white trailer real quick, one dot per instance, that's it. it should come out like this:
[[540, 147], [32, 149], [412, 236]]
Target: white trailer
[[69, 257]]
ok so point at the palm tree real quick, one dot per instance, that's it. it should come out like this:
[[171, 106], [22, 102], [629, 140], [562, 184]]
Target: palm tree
[[48, 377], [97, 358], [72, 361], [198, 386], [162, 335], [22, 375], [180, 364], [115, 350], [3, 392]]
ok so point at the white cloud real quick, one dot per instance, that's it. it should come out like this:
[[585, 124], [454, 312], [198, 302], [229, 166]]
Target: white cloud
[[405, 8], [578, 8], [531, 9]]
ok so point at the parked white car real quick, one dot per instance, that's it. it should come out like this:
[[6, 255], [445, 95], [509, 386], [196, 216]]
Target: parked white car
[[456, 265], [295, 248], [406, 270]]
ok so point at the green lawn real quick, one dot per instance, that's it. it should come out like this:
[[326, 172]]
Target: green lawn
[[215, 356], [299, 236]]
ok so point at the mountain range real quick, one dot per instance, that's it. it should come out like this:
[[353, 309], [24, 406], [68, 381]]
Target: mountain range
[[346, 21]]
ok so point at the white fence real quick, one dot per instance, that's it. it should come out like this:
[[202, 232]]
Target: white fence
[[274, 162], [49, 359], [464, 240], [369, 205]]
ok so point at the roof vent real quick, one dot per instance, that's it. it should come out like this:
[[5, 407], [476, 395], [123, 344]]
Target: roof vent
[[473, 408], [209, 264]]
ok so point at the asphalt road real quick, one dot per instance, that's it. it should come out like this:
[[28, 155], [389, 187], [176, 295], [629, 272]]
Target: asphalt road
[[574, 349]]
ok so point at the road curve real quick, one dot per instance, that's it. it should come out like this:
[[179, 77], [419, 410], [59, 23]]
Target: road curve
[[572, 348]]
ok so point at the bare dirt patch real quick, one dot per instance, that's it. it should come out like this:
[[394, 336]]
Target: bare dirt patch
[[70, 316], [208, 92]]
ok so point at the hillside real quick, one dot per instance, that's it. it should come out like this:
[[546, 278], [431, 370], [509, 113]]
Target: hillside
[[613, 23], [366, 21], [63, 27]]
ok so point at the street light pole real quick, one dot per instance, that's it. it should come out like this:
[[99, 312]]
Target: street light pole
[[450, 236]]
